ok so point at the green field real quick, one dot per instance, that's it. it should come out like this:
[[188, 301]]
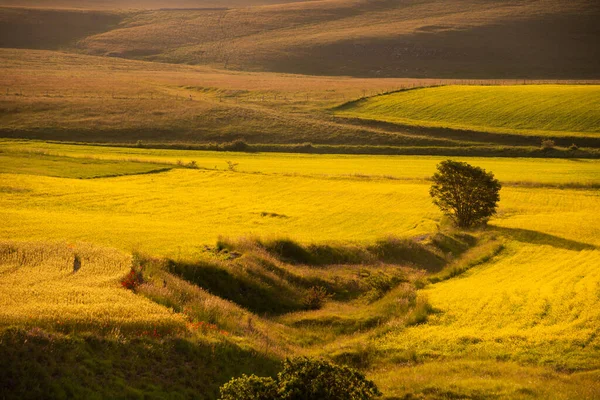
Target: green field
[[549, 110]]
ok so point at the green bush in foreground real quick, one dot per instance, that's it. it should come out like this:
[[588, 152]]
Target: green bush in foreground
[[303, 379]]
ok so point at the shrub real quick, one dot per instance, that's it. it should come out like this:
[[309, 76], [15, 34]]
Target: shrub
[[250, 388], [547, 144], [315, 298], [306, 379], [303, 379], [236, 145]]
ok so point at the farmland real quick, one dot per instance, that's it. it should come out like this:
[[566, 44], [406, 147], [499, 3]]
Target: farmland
[[546, 110], [538, 39], [193, 191], [52, 95], [538, 313]]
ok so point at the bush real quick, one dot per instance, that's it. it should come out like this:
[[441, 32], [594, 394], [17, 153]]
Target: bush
[[547, 144], [236, 145], [249, 387], [315, 298], [133, 279], [303, 379]]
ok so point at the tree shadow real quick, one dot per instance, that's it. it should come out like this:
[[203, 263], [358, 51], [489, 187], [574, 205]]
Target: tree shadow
[[535, 237]]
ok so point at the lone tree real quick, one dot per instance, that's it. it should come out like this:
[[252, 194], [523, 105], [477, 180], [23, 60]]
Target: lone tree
[[468, 194]]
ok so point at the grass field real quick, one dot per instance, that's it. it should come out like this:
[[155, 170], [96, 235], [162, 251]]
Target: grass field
[[519, 323], [552, 111], [541, 172]]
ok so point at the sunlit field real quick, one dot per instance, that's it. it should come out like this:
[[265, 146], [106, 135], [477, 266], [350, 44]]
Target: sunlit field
[[39, 288], [549, 110], [199, 196], [524, 311], [347, 199], [549, 172]]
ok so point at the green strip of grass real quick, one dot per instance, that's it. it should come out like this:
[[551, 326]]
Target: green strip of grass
[[66, 167]]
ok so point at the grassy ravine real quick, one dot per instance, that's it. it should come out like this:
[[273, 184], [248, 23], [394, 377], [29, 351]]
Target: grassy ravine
[[39, 364], [50, 348], [237, 258]]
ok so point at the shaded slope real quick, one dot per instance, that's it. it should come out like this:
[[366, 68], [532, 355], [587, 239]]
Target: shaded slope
[[432, 38], [136, 4], [544, 38], [51, 29]]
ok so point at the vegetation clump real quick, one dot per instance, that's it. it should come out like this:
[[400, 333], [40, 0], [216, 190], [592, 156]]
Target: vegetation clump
[[315, 298], [548, 144], [468, 194], [133, 279], [303, 379]]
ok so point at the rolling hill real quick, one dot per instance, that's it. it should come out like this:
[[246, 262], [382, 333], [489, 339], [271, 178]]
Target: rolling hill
[[136, 4], [548, 110], [53, 95], [433, 38]]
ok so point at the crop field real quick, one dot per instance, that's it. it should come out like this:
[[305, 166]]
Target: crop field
[[196, 190], [548, 110], [266, 195], [65, 301], [542, 172], [525, 307]]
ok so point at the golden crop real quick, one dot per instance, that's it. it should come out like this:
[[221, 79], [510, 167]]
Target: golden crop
[[39, 287]]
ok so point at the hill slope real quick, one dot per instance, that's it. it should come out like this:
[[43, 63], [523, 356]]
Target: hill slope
[[433, 38], [136, 4], [551, 110]]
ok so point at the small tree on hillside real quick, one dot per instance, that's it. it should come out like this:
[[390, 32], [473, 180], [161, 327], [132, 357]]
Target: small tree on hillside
[[468, 194]]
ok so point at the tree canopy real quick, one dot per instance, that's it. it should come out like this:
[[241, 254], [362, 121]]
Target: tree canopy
[[468, 194]]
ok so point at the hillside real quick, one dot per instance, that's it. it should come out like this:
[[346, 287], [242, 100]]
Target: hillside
[[371, 38], [136, 4], [54, 95]]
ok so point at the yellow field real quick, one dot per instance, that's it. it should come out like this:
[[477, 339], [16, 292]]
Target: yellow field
[[538, 301], [177, 212], [525, 171], [534, 303], [38, 288]]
